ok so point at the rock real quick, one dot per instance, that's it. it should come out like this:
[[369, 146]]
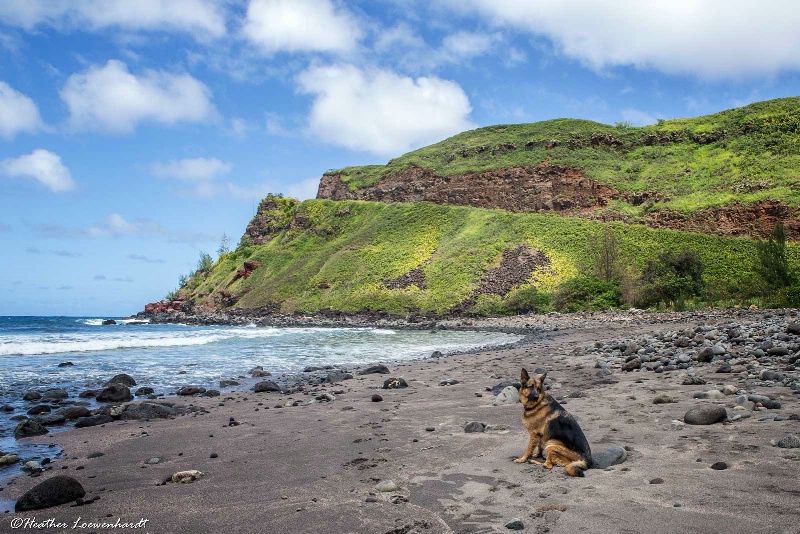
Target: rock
[[8, 459], [38, 409], [515, 524], [51, 419], [228, 383], [724, 368], [107, 322], [497, 388], [789, 441], [449, 382], [662, 399], [29, 428], [66, 364], [705, 414], [719, 466], [338, 376], [714, 394], [55, 394], [385, 486], [7, 408], [375, 369], [437, 354], [259, 373], [676, 425], [657, 481], [122, 378], [474, 426], [89, 394], [154, 460], [793, 328], [394, 383], [93, 420], [95, 454], [267, 386], [141, 392], [611, 456], [509, 395], [32, 467], [770, 375], [74, 412], [693, 380], [718, 350], [187, 391], [52, 492], [632, 365], [728, 389], [115, 393], [210, 393], [325, 397], [148, 410], [705, 355], [376, 398], [185, 477], [778, 351]]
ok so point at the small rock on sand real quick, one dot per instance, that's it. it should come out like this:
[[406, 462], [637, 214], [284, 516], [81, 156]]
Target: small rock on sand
[[394, 383], [693, 380], [376, 398], [611, 456], [719, 466], [266, 386], [515, 524], [385, 486], [475, 426], [375, 369], [52, 492], [185, 477], [115, 393], [93, 420], [790, 441], [662, 399], [705, 414]]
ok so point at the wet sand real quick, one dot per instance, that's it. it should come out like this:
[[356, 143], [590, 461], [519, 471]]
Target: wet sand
[[314, 467]]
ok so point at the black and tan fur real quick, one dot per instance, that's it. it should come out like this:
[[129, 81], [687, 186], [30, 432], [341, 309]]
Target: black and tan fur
[[552, 430]]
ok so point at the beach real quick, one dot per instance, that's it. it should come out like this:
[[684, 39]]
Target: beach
[[316, 460]]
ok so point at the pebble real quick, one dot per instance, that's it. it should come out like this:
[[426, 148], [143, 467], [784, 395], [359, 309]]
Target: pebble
[[515, 524], [662, 399], [429, 429], [611, 456], [705, 414], [376, 398], [186, 477], [719, 466], [474, 427], [385, 486], [657, 481], [789, 441]]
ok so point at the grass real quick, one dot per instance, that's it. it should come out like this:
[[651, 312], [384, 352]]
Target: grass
[[756, 156], [341, 256]]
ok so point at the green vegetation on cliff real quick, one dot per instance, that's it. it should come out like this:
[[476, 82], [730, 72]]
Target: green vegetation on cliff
[[744, 155], [321, 254]]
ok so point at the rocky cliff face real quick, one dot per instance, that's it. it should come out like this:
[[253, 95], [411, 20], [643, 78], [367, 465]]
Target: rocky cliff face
[[563, 190]]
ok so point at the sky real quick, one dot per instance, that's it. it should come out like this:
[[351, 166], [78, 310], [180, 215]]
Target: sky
[[135, 133]]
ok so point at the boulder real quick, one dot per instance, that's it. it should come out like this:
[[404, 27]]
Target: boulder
[[93, 420], [39, 409], [705, 414], [115, 393], [338, 376], [51, 419], [28, 428], [267, 386], [52, 492], [122, 378], [107, 322], [500, 386], [611, 456], [144, 391], [394, 383], [474, 427], [375, 369], [66, 364], [55, 394], [509, 395], [32, 396], [186, 391], [74, 412], [148, 410]]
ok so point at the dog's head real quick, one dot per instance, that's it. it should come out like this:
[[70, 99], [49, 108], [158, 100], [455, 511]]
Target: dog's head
[[531, 390]]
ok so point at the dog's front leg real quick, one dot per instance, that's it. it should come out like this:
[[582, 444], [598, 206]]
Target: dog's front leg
[[528, 452]]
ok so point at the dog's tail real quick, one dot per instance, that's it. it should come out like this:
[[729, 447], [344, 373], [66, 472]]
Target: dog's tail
[[576, 469]]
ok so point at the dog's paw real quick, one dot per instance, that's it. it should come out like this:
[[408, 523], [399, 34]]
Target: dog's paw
[[520, 460]]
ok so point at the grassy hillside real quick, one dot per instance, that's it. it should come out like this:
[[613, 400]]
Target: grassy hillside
[[339, 255], [746, 154]]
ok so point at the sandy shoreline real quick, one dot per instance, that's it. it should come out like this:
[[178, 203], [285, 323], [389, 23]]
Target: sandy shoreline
[[313, 467]]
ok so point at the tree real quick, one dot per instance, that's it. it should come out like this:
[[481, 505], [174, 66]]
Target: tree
[[204, 263], [224, 246], [605, 255], [772, 265], [672, 278]]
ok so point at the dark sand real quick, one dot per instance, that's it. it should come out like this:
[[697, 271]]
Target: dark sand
[[312, 468]]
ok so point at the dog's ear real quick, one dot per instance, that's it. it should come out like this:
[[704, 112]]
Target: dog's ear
[[540, 379], [524, 377]]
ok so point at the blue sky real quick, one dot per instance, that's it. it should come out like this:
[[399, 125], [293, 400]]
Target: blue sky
[[134, 133]]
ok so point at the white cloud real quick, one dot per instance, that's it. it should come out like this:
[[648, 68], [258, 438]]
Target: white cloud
[[638, 117], [712, 39], [192, 169], [41, 165], [116, 225], [467, 44], [300, 26], [398, 37], [238, 128], [302, 190], [380, 111], [18, 113], [111, 98], [202, 18]]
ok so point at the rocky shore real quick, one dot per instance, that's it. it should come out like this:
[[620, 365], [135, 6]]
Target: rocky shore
[[693, 419]]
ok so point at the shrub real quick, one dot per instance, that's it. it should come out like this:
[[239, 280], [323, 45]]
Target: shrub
[[587, 293], [605, 255], [204, 263], [527, 299], [672, 278], [772, 265]]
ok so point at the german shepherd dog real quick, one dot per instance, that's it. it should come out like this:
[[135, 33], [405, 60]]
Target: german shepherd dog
[[552, 429]]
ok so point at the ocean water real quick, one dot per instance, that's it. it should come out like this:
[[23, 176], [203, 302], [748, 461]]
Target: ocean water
[[166, 357]]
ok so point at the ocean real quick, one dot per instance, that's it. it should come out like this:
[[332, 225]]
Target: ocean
[[166, 357]]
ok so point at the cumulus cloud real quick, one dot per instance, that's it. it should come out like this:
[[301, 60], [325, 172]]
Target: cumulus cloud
[[18, 113], [697, 38], [41, 165], [638, 117], [116, 225], [302, 190], [202, 18], [111, 98], [192, 169], [380, 111], [300, 26]]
